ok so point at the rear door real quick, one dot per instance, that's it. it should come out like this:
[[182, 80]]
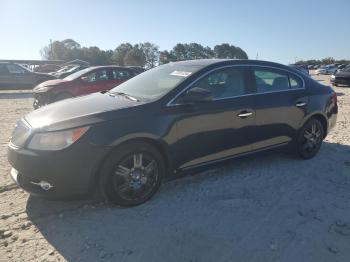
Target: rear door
[[281, 102], [214, 130]]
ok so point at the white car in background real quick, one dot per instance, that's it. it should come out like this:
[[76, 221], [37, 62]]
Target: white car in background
[[326, 70]]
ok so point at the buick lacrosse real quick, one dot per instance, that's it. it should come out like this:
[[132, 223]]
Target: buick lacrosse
[[172, 118]]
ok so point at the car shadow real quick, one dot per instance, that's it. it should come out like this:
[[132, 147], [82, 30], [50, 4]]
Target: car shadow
[[223, 214], [340, 94]]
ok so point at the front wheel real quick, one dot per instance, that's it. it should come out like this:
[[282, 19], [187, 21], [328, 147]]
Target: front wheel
[[132, 174], [310, 138]]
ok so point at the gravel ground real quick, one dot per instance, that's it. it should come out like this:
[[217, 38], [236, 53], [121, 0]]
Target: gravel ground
[[273, 207]]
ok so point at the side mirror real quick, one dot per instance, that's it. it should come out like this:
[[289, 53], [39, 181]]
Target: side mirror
[[197, 94], [84, 78]]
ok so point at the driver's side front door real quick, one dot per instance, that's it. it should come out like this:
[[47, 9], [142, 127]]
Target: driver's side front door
[[217, 129], [94, 81]]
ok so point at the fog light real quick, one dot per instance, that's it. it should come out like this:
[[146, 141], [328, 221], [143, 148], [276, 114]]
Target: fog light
[[44, 185]]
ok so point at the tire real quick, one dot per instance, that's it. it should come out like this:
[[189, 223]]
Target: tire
[[62, 96], [125, 180], [309, 138]]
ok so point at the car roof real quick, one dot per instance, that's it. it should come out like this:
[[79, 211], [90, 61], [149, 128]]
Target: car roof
[[108, 66], [208, 62]]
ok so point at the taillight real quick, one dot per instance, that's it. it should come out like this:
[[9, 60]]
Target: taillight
[[334, 98]]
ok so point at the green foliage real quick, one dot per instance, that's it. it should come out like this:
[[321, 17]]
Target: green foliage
[[144, 54], [324, 61], [229, 51]]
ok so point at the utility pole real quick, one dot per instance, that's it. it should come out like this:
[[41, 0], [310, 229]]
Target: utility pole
[[51, 52]]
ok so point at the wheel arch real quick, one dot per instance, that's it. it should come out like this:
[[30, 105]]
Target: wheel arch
[[160, 146], [321, 117]]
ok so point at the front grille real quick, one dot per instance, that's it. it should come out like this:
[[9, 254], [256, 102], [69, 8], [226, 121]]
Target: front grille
[[20, 134], [340, 78]]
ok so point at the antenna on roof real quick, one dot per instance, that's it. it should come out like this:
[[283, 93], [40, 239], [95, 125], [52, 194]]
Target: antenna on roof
[[257, 56]]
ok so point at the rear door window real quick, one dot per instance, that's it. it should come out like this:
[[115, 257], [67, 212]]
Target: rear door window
[[273, 80]]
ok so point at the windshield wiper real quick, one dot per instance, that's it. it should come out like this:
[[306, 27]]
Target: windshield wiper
[[124, 95]]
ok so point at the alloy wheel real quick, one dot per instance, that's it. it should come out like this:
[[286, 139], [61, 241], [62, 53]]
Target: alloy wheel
[[311, 139], [135, 176]]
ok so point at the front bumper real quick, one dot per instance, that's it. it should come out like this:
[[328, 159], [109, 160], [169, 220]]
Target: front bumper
[[41, 99], [70, 172]]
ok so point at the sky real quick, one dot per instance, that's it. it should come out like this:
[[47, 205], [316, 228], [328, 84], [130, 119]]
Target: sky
[[275, 30]]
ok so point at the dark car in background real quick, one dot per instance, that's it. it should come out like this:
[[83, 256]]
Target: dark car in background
[[47, 68], [68, 70], [14, 75], [89, 80], [169, 119], [341, 77]]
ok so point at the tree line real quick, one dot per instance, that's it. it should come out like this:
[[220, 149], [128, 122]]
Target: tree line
[[324, 61], [144, 54]]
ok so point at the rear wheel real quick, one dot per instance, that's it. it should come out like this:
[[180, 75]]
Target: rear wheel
[[132, 174], [310, 138]]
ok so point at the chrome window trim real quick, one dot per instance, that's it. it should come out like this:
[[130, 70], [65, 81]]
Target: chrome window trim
[[170, 103]]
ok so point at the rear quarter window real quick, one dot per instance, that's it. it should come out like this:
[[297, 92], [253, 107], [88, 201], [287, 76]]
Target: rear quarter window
[[295, 82]]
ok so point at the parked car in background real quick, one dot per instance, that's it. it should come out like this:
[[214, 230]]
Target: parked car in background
[[302, 68], [47, 68], [342, 66], [68, 70], [86, 81], [169, 119], [14, 75], [326, 70], [341, 77]]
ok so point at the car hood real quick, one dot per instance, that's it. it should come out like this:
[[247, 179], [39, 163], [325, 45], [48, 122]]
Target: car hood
[[49, 83], [78, 111], [53, 82]]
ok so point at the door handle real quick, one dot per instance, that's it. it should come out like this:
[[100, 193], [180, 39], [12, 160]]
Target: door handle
[[300, 104], [245, 114]]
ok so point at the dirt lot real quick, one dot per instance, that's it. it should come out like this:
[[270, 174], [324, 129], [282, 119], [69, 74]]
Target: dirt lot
[[268, 208]]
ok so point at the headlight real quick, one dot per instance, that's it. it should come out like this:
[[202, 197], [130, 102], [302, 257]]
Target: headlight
[[20, 134], [42, 89], [56, 140], [332, 76]]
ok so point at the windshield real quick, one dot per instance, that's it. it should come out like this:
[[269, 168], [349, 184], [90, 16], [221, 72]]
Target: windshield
[[77, 74], [63, 69], [72, 69], [156, 82], [25, 68]]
